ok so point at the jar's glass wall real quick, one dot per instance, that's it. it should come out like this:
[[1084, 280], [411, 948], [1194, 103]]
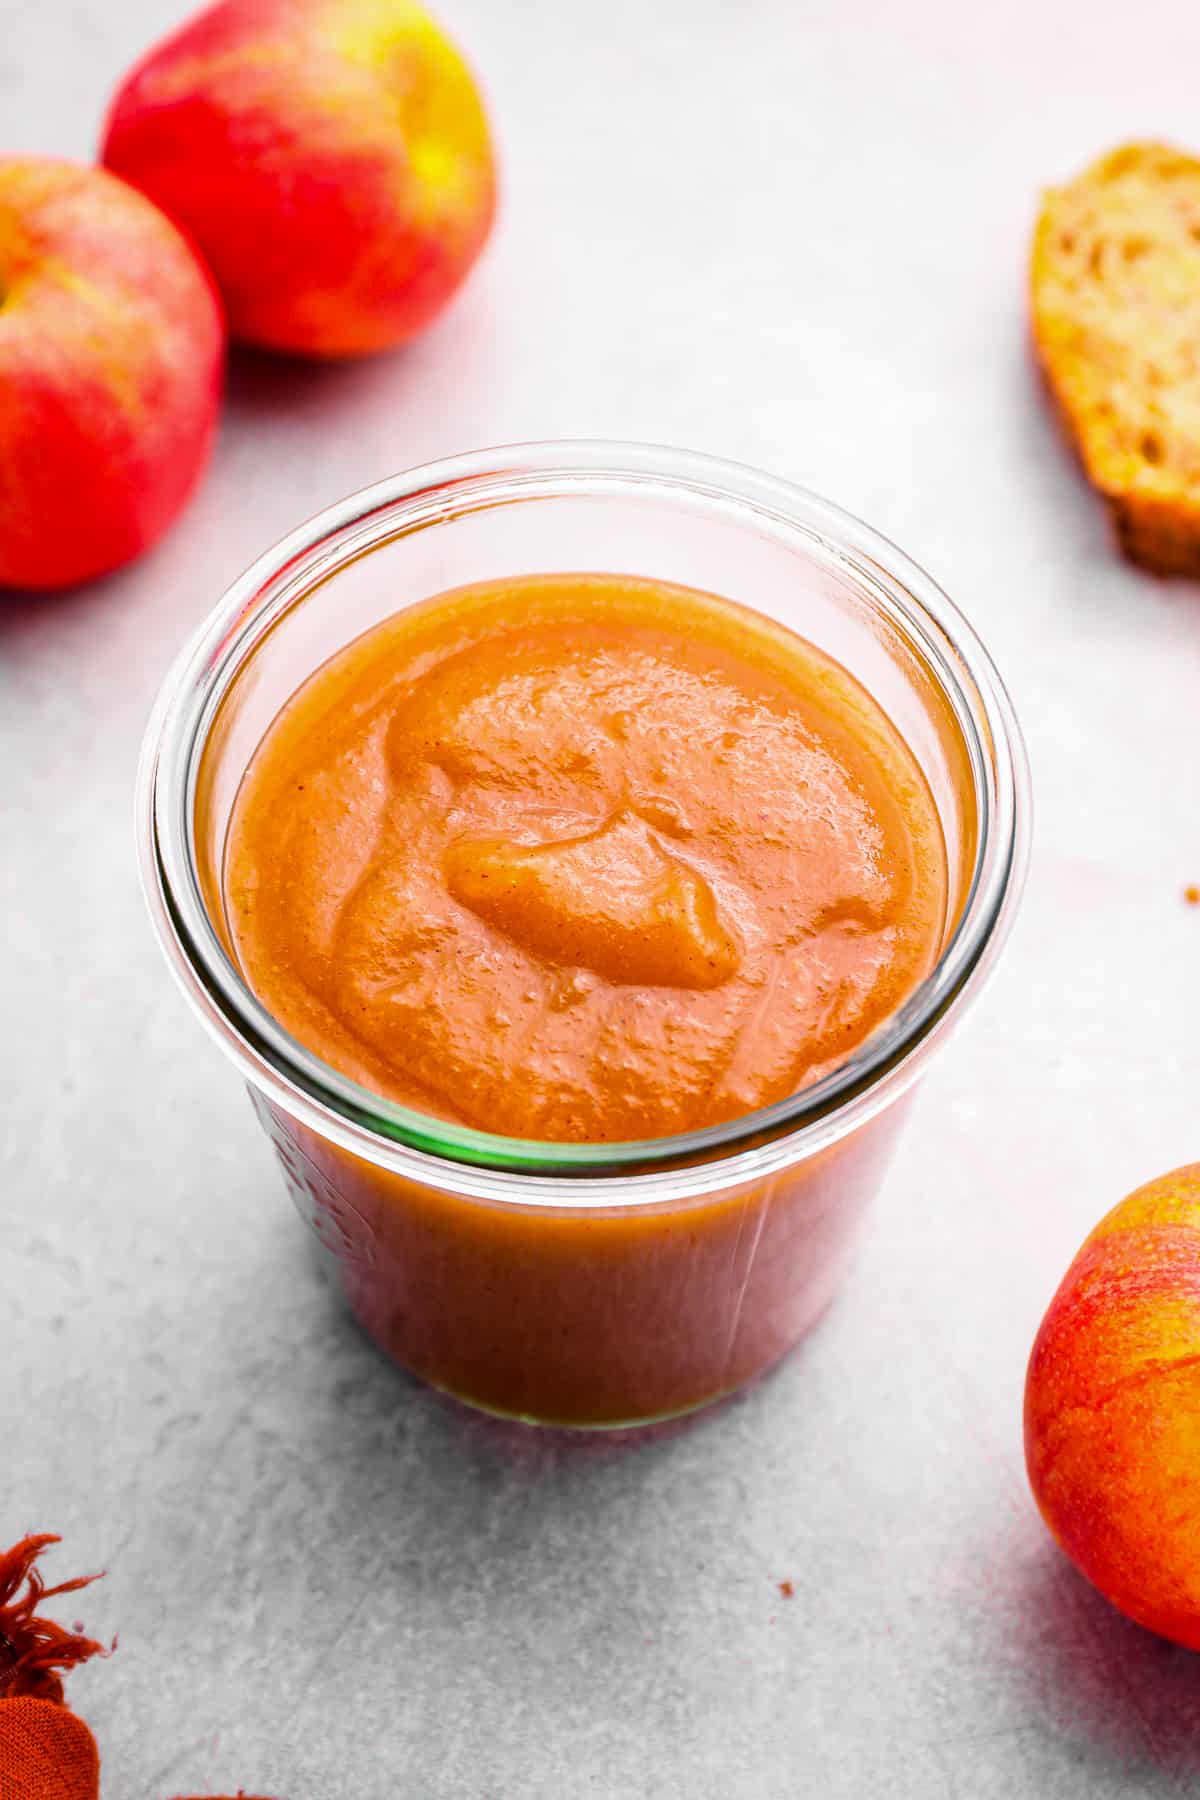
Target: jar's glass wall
[[603, 1318]]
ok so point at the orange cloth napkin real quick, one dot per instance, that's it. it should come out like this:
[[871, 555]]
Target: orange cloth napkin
[[46, 1753]]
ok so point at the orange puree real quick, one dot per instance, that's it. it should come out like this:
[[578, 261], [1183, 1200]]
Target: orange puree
[[583, 857]]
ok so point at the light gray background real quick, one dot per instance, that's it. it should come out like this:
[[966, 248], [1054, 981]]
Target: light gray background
[[792, 234]]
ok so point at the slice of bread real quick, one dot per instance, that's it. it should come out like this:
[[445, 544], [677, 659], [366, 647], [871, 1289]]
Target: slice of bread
[[1116, 322]]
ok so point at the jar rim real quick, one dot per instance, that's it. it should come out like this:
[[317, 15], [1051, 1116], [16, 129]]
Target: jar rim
[[535, 1171]]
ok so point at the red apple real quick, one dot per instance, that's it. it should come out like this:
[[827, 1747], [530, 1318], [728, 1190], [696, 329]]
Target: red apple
[[111, 348], [330, 158], [1112, 1407]]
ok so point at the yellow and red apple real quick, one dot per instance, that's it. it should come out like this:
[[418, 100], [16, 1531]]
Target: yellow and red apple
[[330, 158], [1112, 1408], [111, 351]]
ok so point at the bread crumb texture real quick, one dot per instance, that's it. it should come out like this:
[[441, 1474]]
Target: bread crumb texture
[[1116, 323]]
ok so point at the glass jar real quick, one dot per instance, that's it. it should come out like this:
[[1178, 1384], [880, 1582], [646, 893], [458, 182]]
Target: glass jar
[[577, 1284]]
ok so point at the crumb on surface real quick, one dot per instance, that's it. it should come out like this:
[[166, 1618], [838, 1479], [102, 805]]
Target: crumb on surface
[[787, 1589], [1192, 894]]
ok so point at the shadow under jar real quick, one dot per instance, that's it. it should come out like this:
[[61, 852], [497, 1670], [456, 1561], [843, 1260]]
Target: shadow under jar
[[582, 1284]]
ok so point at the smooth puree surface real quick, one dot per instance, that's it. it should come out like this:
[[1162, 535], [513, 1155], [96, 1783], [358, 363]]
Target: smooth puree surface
[[585, 858]]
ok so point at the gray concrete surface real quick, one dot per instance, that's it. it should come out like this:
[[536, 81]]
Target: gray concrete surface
[[792, 234]]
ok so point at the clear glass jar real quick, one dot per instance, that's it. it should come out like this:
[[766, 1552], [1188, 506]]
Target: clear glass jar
[[575, 1284]]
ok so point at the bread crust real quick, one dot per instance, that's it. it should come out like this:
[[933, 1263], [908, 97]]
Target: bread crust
[[1115, 301]]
